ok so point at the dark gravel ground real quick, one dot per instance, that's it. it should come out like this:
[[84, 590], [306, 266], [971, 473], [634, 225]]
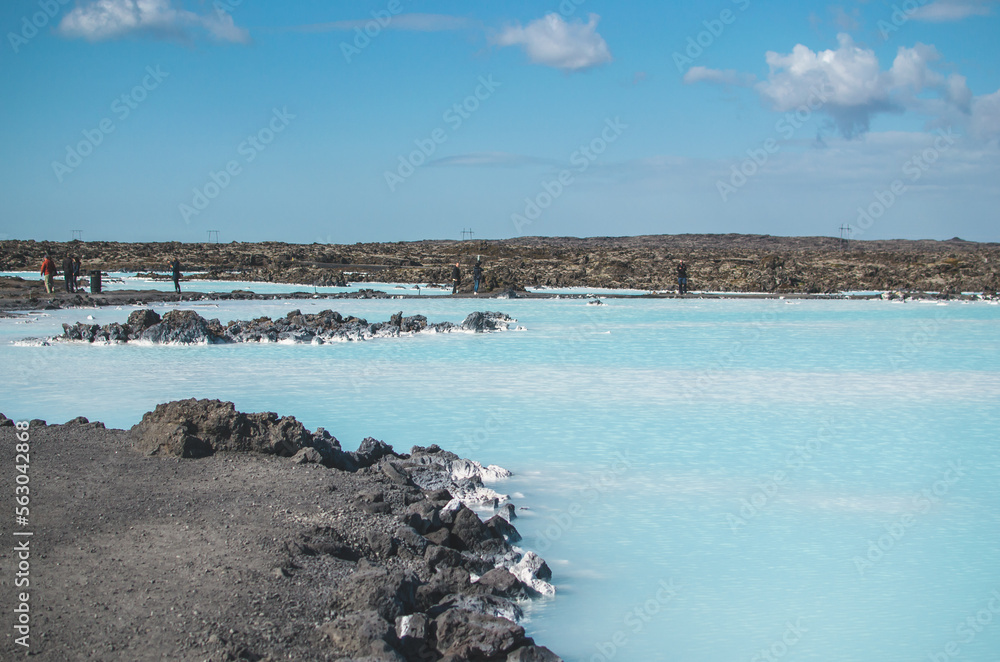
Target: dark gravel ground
[[138, 557]]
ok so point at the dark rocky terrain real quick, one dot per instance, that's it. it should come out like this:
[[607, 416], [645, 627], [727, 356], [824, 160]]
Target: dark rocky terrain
[[188, 327], [734, 263], [204, 533]]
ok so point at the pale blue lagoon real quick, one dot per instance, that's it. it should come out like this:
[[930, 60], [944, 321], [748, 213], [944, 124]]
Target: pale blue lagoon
[[710, 480]]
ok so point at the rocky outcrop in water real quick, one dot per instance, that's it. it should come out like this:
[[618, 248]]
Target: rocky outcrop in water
[[432, 469], [188, 327]]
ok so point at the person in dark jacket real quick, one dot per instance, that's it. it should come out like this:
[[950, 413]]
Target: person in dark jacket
[[68, 273], [76, 273], [477, 276], [175, 268], [682, 278], [456, 278]]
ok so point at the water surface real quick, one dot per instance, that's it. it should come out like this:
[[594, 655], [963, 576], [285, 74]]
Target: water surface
[[709, 479]]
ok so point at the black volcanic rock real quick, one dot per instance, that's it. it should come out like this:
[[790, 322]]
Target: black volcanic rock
[[188, 327], [196, 428], [467, 635], [484, 322], [140, 320], [181, 326]]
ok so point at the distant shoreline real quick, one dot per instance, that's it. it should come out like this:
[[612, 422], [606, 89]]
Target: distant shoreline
[[21, 295], [715, 263]]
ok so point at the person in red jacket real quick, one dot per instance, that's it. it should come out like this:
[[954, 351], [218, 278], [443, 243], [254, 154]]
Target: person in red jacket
[[48, 272]]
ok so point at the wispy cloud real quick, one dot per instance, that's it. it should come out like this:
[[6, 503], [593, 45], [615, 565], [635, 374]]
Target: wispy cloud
[[844, 20], [722, 77], [491, 160], [944, 11], [113, 19], [553, 42], [408, 22], [985, 121]]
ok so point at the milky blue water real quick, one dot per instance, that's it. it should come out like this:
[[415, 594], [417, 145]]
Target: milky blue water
[[709, 480]]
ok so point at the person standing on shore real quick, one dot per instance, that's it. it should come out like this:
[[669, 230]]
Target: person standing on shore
[[682, 278], [175, 268], [48, 271], [477, 276], [456, 277], [76, 273], [68, 273]]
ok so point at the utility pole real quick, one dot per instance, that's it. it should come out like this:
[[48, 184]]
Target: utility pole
[[77, 234], [845, 237], [210, 233], [466, 234]]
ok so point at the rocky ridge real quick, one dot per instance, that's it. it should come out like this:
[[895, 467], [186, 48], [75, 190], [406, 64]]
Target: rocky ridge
[[729, 263]]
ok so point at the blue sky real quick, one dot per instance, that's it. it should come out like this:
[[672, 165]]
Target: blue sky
[[157, 120]]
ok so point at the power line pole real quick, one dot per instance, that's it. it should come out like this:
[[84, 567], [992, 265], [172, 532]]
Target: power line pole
[[466, 234], [845, 237], [210, 233], [77, 234]]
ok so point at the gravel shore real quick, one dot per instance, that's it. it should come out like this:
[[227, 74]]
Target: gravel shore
[[247, 554]]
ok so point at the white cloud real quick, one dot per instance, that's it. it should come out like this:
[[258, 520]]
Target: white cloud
[[944, 11], [848, 81], [553, 42], [112, 19], [911, 67], [849, 85]]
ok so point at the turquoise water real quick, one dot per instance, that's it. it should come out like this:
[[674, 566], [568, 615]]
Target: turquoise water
[[709, 480]]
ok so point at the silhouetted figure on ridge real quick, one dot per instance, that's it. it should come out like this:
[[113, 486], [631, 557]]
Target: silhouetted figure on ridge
[[175, 268], [682, 278]]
